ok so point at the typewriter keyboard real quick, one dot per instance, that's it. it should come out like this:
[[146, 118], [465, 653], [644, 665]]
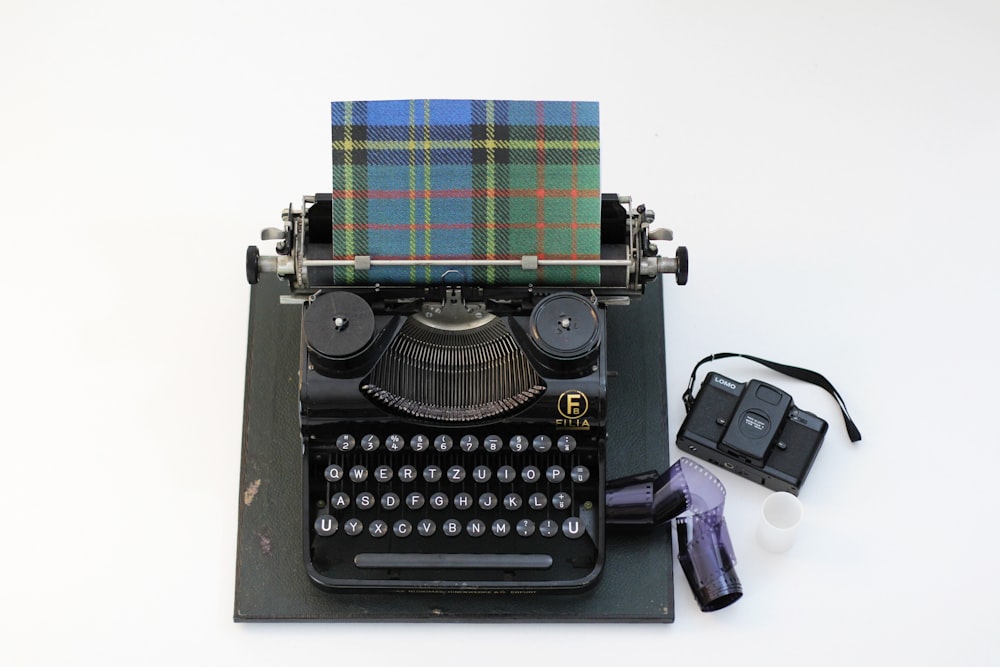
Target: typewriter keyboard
[[425, 509]]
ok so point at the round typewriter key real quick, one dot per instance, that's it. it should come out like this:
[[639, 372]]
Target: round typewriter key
[[537, 501], [345, 442], [325, 525], [407, 473], [541, 443], [488, 501], [468, 443], [475, 528], [561, 500], [555, 474], [365, 501], [500, 528], [548, 528], [395, 442], [572, 527], [512, 501], [369, 443], [463, 501], [353, 527], [439, 501], [481, 474], [358, 474], [333, 473], [525, 528], [378, 528], [383, 474], [518, 443], [456, 474], [506, 474], [390, 501], [566, 444], [531, 474], [340, 500], [402, 528], [415, 500], [443, 443], [493, 443], [419, 443], [579, 474], [338, 324], [426, 527], [432, 474], [451, 528]]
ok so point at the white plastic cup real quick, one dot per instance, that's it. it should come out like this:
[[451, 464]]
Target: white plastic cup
[[779, 520]]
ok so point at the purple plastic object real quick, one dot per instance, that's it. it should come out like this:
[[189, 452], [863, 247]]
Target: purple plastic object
[[694, 497]]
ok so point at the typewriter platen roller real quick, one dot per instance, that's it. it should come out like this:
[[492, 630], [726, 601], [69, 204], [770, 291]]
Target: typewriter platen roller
[[629, 255]]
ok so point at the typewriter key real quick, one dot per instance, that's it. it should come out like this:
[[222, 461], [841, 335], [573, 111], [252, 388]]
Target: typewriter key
[[493, 443], [566, 444], [512, 501], [525, 527], [548, 528], [353, 527], [378, 528], [572, 528], [325, 525], [463, 501], [541, 443], [518, 443], [402, 528], [501, 528], [345, 442], [561, 500]]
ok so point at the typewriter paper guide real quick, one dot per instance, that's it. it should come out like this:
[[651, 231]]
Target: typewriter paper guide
[[466, 179]]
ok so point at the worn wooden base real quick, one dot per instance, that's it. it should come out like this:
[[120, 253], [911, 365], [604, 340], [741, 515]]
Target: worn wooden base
[[271, 583]]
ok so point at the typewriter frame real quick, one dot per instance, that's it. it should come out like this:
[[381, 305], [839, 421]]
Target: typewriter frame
[[624, 274]]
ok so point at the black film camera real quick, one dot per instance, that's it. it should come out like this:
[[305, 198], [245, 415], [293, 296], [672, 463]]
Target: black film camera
[[754, 430]]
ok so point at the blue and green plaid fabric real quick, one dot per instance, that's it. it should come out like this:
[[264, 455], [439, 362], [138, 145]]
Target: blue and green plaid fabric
[[471, 179]]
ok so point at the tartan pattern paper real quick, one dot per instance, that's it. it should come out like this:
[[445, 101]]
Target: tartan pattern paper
[[471, 179]]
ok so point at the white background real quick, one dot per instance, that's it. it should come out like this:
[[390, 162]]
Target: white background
[[833, 168]]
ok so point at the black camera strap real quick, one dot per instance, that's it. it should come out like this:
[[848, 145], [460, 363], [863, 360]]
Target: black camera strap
[[812, 377]]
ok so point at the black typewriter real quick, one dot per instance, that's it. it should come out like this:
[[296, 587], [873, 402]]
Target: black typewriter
[[453, 435]]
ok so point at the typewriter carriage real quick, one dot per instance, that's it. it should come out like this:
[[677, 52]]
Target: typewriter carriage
[[629, 258]]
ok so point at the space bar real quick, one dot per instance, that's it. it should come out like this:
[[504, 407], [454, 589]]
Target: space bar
[[445, 561]]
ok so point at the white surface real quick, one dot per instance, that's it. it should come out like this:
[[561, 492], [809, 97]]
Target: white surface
[[831, 166], [780, 514]]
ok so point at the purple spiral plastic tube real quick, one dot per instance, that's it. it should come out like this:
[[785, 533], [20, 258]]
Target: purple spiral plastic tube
[[694, 497]]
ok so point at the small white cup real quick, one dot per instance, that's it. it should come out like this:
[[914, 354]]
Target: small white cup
[[779, 519]]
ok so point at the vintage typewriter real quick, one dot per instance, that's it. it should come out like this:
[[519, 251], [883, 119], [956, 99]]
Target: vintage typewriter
[[453, 427]]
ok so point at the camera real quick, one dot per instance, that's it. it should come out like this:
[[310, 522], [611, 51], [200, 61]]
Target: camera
[[754, 430]]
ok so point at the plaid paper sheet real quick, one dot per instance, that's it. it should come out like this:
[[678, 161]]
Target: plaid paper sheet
[[471, 179]]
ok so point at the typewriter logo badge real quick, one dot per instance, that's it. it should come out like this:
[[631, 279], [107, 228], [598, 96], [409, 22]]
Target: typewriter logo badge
[[573, 407]]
